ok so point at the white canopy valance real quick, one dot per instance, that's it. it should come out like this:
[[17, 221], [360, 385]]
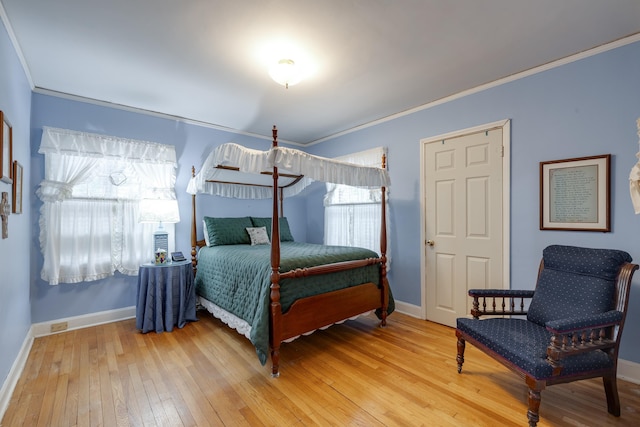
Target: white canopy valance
[[232, 170]]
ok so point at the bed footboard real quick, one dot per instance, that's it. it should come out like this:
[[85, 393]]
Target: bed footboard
[[311, 313]]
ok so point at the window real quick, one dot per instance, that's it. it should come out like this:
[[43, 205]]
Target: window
[[91, 194], [352, 215]]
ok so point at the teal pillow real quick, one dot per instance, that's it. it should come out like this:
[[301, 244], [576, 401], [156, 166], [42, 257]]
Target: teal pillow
[[228, 231], [285, 232]]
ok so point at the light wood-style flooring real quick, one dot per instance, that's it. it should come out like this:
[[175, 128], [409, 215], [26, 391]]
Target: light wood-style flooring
[[354, 374]]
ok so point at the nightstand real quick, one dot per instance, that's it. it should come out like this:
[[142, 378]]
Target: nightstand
[[166, 296]]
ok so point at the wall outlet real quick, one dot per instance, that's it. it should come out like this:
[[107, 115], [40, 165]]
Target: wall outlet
[[57, 327]]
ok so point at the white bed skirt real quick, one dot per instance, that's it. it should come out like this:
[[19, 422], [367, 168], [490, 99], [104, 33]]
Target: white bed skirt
[[244, 328]]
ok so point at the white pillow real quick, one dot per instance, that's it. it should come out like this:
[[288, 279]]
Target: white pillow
[[258, 235], [205, 232]]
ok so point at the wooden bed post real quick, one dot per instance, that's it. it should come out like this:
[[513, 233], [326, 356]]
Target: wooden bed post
[[281, 192], [383, 252], [194, 235], [275, 336]]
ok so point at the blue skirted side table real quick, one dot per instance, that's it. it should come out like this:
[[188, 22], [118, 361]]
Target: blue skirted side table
[[166, 296]]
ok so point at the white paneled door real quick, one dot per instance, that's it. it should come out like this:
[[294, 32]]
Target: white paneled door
[[463, 220]]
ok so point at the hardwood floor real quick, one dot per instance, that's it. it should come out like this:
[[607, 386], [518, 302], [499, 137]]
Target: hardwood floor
[[350, 374]]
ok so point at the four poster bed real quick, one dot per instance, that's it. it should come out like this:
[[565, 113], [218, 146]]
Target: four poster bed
[[276, 292]]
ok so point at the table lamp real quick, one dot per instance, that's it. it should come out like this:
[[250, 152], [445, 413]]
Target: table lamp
[[157, 210]]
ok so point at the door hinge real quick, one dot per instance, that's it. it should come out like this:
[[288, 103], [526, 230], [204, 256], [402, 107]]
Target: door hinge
[[502, 151]]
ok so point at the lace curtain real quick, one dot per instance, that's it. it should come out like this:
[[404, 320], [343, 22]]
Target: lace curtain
[[352, 214], [634, 179], [91, 193]]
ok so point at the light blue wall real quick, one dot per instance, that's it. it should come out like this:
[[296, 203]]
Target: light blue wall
[[15, 320], [192, 145], [584, 108]]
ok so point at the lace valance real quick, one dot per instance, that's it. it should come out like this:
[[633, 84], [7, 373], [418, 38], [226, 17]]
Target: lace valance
[[86, 144]]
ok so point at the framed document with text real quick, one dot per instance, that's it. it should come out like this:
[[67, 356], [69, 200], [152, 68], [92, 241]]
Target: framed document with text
[[575, 194]]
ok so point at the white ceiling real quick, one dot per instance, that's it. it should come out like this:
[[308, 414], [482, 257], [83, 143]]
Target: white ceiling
[[207, 60]]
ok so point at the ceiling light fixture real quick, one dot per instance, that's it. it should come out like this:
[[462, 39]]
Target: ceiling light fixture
[[284, 72]]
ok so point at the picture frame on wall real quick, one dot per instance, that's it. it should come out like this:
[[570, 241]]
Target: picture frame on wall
[[575, 194], [6, 150], [17, 187]]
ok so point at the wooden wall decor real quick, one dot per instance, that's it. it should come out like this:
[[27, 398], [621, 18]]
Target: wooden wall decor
[[6, 150]]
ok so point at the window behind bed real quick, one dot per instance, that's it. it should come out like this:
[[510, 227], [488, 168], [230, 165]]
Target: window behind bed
[[352, 214]]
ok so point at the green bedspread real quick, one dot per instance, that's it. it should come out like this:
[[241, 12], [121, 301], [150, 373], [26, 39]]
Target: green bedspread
[[236, 278]]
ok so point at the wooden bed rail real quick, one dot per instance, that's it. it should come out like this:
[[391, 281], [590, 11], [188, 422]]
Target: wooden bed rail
[[329, 268]]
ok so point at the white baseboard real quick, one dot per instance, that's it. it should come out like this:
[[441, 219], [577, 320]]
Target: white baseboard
[[409, 309], [629, 371], [84, 321], [14, 374]]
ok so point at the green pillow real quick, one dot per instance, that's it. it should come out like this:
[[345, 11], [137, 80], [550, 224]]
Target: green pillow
[[285, 232], [228, 231]]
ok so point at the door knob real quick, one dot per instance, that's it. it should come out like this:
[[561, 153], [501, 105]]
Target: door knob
[[430, 242]]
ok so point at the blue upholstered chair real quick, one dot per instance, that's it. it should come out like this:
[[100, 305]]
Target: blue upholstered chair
[[572, 326]]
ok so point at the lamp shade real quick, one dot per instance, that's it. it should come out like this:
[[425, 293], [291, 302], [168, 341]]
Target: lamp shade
[[157, 210], [285, 73]]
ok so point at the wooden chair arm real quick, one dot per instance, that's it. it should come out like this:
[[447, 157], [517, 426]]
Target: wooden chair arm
[[600, 320], [502, 302], [571, 337]]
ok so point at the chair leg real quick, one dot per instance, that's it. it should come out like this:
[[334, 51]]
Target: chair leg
[[611, 390], [535, 390], [460, 356], [533, 414]]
